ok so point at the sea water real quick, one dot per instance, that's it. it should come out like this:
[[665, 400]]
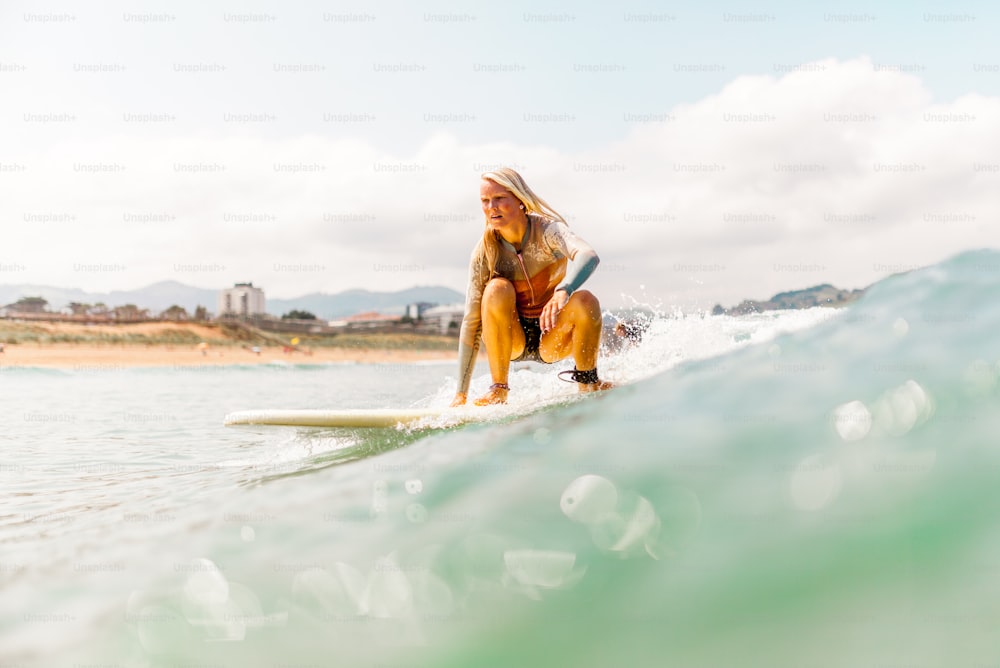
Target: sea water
[[799, 488]]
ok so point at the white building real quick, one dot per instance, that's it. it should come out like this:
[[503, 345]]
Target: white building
[[444, 316], [243, 300]]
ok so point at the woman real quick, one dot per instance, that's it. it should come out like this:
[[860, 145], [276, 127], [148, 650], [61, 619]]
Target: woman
[[523, 294]]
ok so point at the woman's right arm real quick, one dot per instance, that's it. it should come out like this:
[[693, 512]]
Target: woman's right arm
[[472, 323]]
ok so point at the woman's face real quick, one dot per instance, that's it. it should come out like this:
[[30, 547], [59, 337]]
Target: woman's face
[[501, 208]]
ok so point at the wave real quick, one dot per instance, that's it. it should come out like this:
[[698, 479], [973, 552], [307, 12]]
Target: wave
[[760, 491], [785, 473]]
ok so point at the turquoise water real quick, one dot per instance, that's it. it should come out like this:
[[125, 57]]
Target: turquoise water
[[810, 488]]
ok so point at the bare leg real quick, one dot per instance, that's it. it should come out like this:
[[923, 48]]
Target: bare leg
[[502, 336], [578, 333]]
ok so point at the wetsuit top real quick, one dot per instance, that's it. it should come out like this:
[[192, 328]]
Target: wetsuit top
[[551, 258]]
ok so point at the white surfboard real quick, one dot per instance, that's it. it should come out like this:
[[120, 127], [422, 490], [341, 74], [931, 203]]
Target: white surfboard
[[360, 417]]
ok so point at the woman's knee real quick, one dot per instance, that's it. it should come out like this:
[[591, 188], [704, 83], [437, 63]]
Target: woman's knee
[[585, 301], [498, 290]]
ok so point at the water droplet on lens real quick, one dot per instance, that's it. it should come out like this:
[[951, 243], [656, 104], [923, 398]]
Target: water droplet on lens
[[206, 584], [852, 420], [588, 497]]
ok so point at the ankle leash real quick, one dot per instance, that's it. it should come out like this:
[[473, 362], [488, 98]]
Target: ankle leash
[[583, 377]]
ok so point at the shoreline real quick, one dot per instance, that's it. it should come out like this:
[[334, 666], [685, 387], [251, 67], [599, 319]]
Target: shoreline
[[115, 356]]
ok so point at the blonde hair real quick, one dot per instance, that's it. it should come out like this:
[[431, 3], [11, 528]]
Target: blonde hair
[[514, 182]]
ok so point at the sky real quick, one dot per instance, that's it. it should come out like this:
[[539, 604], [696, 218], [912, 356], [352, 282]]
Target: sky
[[709, 153]]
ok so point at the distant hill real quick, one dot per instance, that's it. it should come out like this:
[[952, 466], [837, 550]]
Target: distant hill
[[161, 296], [820, 295], [156, 297], [349, 302]]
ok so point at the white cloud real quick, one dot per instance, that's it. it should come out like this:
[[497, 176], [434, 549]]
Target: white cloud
[[833, 173]]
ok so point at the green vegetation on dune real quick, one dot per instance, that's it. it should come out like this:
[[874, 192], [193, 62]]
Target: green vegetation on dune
[[382, 341], [247, 334], [39, 335], [11, 332], [233, 333]]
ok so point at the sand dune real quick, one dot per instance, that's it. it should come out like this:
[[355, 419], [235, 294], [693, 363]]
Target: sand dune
[[83, 357], [84, 346]]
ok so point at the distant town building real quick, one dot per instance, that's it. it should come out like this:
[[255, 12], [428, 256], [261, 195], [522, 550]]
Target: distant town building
[[416, 310], [367, 320], [27, 305], [243, 300], [445, 317]]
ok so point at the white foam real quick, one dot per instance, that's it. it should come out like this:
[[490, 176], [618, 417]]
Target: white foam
[[669, 340], [289, 450]]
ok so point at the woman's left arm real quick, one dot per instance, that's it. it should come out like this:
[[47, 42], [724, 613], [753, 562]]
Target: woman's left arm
[[582, 262], [583, 259]]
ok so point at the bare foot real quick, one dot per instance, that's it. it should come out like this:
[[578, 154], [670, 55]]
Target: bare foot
[[599, 386], [496, 395]]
